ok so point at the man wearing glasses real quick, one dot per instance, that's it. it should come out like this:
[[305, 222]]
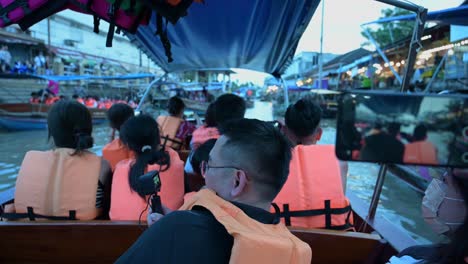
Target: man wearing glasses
[[247, 167]]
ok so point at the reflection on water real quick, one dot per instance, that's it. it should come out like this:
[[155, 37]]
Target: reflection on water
[[399, 203]]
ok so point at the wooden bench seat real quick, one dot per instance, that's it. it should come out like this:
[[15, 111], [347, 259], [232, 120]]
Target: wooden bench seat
[[105, 241]]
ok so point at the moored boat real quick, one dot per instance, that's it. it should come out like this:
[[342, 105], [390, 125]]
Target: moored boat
[[26, 116]]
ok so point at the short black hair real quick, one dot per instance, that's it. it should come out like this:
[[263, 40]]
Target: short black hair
[[394, 128], [210, 117], [303, 117], [229, 106], [202, 153], [118, 114], [259, 149], [420, 132], [70, 125], [175, 106]]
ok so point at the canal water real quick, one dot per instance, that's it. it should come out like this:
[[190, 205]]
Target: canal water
[[399, 203]]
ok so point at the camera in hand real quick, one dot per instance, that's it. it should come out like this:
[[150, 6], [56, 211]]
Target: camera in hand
[[150, 184]]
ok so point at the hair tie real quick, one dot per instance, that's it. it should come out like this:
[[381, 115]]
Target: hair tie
[[146, 147]]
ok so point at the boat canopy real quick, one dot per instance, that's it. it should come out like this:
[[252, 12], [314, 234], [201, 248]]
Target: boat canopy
[[250, 34], [454, 16]]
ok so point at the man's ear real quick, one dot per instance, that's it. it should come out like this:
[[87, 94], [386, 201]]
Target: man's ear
[[318, 134], [240, 183]]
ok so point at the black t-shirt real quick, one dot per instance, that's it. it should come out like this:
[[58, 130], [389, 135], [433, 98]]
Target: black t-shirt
[[383, 147], [189, 237]]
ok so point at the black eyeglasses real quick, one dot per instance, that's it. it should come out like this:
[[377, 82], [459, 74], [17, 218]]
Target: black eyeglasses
[[204, 167]]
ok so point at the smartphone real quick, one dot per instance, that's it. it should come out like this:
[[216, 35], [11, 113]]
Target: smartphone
[[401, 128]]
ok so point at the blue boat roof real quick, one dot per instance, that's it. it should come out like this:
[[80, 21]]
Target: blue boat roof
[[251, 34]]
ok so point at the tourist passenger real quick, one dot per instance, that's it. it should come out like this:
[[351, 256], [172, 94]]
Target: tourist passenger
[[316, 177], [226, 107], [447, 216], [141, 135], [67, 181], [195, 180], [388, 141], [174, 129], [246, 169], [420, 150], [206, 131], [115, 151]]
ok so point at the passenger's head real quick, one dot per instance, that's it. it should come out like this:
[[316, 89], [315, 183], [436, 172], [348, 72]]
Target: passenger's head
[[70, 125], [210, 118], [420, 133], [141, 135], [378, 126], [302, 121], [201, 154], [118, 114], [75, 96], [175, 106], [249, 162], [227, 107], [394, 129]]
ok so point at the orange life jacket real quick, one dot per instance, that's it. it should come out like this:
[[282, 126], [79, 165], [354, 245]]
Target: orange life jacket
[[51, 100], [254, 242], [34, 100], [420, 152], [203, 134], [56, 184], [115, 152], [80, 100], [91, 103], [107, 104], [126, 204], [169, 125], [313, 196]]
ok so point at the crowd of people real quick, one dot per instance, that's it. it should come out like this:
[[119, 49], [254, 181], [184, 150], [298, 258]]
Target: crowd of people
[[40, 65], [399, 147], [256, 179]]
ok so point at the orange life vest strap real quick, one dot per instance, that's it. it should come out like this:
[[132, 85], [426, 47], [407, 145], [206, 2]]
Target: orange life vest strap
[[327, 211], [33, 216]]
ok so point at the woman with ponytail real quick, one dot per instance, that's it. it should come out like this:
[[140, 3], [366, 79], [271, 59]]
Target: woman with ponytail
[[116, 151], [141, 135], [68, 181]]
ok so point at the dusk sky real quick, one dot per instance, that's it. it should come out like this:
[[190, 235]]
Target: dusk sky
[[342, 31]]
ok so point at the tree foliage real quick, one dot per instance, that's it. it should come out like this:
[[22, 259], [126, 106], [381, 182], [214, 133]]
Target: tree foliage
[[390, 32]]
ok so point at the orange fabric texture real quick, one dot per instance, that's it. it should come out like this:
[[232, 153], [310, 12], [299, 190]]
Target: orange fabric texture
[[128, 205], [203, 134], [54, 182], [168, 126], [116, 151], [314, 176], [254, 242], [420, 152]]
